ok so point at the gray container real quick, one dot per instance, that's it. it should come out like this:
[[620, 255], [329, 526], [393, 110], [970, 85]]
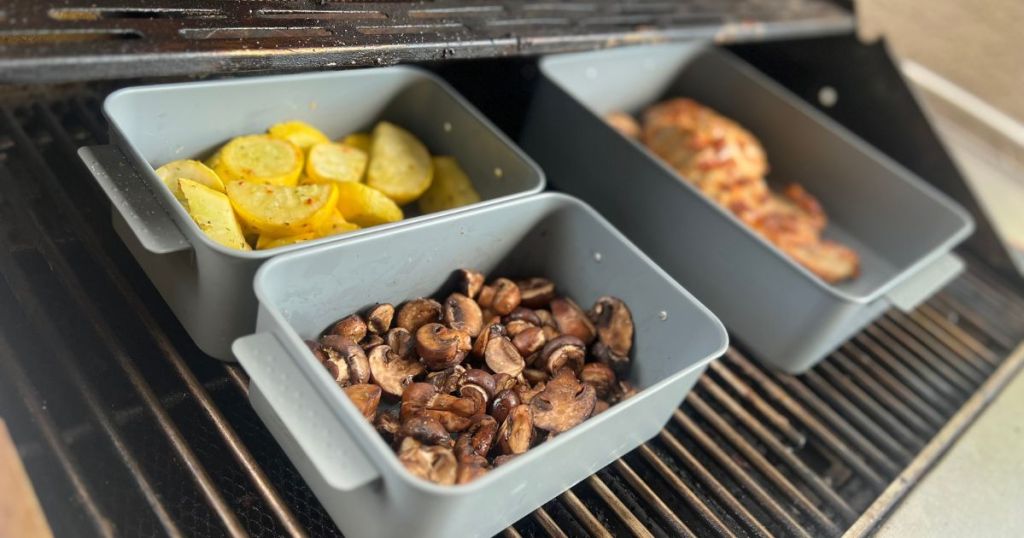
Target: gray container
[[902, 228], [351, 469], [208, 286]]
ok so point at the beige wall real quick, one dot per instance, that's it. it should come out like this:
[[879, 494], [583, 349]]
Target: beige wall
[[976, 44]]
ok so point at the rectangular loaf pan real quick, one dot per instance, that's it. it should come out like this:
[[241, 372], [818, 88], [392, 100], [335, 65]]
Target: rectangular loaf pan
[[208, 286], [902, 228], [352, 470]]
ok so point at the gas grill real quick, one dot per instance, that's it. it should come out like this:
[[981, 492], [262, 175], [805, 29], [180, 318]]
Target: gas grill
[[126, 428]]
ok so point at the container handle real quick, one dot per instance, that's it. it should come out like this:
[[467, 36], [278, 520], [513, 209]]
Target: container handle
[[925, 282], [129, 195], [309, 421]]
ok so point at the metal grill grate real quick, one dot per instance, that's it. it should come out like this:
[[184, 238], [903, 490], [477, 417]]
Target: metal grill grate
[[126, 428], [70, 40]]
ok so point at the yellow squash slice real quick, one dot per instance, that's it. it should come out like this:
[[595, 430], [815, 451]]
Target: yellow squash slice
[[451, 187], [366, 206], [282, 211], [196, 171], [336, 224], [260, 159], [212, 212], [331, 161], [358, 140], [299, 133], [400, 165], [269, 241]]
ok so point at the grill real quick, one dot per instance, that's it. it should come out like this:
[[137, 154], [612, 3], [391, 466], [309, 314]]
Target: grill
[[127, 428]]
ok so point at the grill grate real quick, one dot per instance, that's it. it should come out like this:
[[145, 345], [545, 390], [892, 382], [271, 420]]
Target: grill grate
[[126, 428], [70, 40]]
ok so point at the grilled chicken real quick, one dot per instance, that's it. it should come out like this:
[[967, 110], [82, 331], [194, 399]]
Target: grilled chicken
[[728, 164]]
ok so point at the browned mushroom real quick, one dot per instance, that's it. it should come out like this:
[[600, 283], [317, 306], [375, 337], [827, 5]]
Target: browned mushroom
[[486, 297], [536, 292], [503, 402], [453, 412], [502, 357], [434, 463], [506, 296], [378, 319], [391, 371], [441, 347], [387, 424], [529, 341], [516, 326], [600, 376], [478, 439], [545, 317], [417, 313], [503, 459], [614, 324], [400, 341], [471, 468], [318, 352], [600, 407], [503, 381], [425, 428], [605, 355], [526, 392], [491, 329], [550, 333], [366, 397], [523, 314], [563, 352], [478, 386], [345, 360], [371, 341], [516, 434], [623, 390], [572, 320], [352, 327], [534, 376], [447, 381], [469, 282], [463, 314], [563, 404]]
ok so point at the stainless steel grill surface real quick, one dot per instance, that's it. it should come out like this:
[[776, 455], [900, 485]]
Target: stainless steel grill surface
[[127, 429]]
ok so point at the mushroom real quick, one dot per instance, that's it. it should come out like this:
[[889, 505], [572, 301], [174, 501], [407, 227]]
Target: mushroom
[[506, 296], [434, 463], [623, 391], [502, 403], [400, 341], [502, 357], [453, 412], [534, 376], [391, 371], [366, 397], [605, 355], [470, 282], [545, 318], [516, 433], [492, 329], [486, 296], [564, 403], [318, 352], [478, 386], [503, 381], [447, 381], [536, 292], [350, 326], [516, 326], [441, 347], [600, 376], [463, 314], [614, 324], [550, 333], [425, 428], [600, 407], [526, 393], [471, 468], [345, 360], [563, 352], [523, 314], [478, 439], [503, 459], [529, 341], [378, 319], [417, 313], [572, 320], [387, 424], [371, 341]]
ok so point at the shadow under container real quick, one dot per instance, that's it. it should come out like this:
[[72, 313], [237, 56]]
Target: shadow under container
[[209, 286], [353, 472]]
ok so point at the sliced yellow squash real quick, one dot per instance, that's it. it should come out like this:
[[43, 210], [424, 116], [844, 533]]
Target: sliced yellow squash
[[281, 211], [450, 188], [336, 224], [359, 141], [260, 159], [196, 171], [269, 241], [299, 133], [365, 205], [400, 165], [212, 212], [331, 161]]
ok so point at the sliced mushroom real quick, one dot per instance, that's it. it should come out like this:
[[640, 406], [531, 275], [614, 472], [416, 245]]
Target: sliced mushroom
[[502, 357], [545, 317], [503, 459], [441, 347], [534, 376], [434, 463], [478, 439], [400, 341], [516, 326], [563, 352], [478, 386], [523, 314], [492, 329], [453, 412], [391, 371], [600, 376], [526, 392], [471, 468], [550, 333], [486, 297], [529, 341], [345, 360], [378, 319], [502, 403], [563, 404], [600, 407], [352, 327], [605, 355], [614, 324], [371, 341], [506, 296], [387, 425], [470, 282], [417, 313], [623, 390], [318, 352], [366, 397], [425, 428], [516, 433], [503, 381], [463, 314], [572, 320], [447, 381], [536, 292]]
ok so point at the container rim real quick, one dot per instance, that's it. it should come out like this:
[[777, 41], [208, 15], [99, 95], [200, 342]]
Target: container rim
[[191, 230], [901, 276], [369, 439]]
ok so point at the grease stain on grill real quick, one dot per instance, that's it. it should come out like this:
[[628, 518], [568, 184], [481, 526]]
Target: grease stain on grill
[[98, 13], [399, 29], [255, 32]]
